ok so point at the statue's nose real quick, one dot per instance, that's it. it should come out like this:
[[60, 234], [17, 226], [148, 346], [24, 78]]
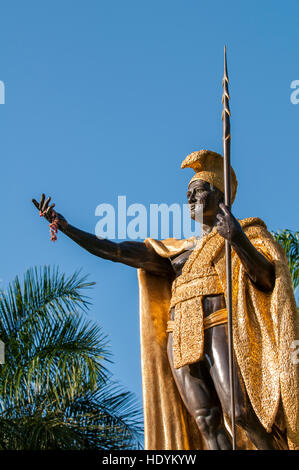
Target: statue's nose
[[192, 196]]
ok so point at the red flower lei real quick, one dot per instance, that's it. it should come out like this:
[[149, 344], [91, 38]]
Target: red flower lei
[[53, 225]]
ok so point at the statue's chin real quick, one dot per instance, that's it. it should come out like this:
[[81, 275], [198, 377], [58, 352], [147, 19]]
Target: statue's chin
[[196, 214]]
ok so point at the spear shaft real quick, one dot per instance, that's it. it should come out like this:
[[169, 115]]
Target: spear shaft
[[227, 200]]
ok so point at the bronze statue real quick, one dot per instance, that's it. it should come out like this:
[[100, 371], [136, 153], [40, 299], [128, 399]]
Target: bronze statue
[[194, 304], [203, 382]]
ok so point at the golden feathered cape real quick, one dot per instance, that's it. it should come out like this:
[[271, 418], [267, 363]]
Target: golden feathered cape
[[265, 326]]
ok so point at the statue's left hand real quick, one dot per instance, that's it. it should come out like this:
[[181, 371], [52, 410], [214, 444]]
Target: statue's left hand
[[227, 225]]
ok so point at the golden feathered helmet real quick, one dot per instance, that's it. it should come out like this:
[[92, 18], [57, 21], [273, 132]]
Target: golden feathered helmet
[[208, 166]]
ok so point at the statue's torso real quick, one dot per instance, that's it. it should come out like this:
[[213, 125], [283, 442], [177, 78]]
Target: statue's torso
[[211, 303]]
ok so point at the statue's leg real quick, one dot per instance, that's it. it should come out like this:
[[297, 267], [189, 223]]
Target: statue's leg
[[216, 359], [198, 393]]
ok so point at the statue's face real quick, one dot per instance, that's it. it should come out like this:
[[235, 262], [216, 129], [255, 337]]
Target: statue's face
[[203, 199]]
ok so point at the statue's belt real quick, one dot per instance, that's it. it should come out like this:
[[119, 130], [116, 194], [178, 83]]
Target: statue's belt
[[204, 281], [216, 318]]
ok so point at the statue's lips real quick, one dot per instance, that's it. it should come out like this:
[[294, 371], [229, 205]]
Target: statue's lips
[[198, 206]]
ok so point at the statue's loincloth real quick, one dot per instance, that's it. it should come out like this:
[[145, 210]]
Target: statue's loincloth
[[188, 291]]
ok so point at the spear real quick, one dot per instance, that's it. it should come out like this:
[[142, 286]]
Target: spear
[[227, 200]]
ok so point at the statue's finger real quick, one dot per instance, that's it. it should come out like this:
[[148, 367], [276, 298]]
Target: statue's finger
[[41, 202], [46, 203], [50, 208], [224, 208], [35, 203]]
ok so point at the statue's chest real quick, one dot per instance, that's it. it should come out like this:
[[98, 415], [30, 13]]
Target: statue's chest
[[179, 261]]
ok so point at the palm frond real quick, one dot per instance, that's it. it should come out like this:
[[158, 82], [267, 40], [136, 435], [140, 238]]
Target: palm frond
[[45, 292], [289, 241], [55, 389]]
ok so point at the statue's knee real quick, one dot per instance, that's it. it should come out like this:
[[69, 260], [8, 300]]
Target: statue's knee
[[208, 420], [241, 411]]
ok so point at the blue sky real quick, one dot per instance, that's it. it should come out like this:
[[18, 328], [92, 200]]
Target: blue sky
[[106, 98]]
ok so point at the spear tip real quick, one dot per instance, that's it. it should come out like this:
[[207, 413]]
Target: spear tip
[[225, 77]]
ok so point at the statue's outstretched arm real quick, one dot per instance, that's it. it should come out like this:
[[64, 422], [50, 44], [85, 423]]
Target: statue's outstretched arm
[[132, 253], [258, 267]]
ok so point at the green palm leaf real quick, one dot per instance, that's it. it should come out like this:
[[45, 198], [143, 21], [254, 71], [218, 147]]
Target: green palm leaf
[[55, 389], [289, 241]]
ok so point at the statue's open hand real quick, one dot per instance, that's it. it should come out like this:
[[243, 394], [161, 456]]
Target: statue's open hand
[[48, 211], [228, 226]]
